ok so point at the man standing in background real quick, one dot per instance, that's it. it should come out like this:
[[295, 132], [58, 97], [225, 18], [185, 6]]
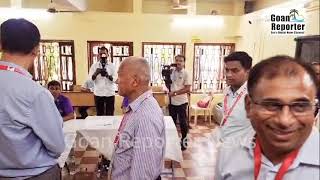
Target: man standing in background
[[180, 87], [235, 124], [31, 137], [102, 74]]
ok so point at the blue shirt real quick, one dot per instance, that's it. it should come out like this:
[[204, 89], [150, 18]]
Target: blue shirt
[[31, 137], [237, 162]]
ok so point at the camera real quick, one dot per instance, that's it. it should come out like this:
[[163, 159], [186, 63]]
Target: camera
[[103, 64], [166, 73]]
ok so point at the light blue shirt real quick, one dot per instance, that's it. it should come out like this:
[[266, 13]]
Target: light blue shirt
[[237, 124], [237, 163], [31, 137]]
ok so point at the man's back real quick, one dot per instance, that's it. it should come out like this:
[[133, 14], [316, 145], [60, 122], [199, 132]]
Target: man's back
[[31, 134]]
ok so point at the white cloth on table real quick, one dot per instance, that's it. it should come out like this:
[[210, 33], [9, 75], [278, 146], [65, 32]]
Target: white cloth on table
[[100, 132]]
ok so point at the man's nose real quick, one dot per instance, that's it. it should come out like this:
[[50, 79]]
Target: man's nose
[[229, 74], [285, 117]]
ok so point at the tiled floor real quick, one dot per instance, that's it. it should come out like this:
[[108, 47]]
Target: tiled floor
[[198, 163]]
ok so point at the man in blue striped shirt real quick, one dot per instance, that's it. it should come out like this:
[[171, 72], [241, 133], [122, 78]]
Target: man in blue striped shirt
[[140, 143], [31, 137]]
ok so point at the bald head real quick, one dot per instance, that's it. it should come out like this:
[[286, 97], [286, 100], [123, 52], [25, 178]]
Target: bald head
[[137, 66]]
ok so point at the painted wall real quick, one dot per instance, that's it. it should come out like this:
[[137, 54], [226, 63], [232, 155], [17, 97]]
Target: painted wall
[[256, 39], [138, 28], [262, 4]]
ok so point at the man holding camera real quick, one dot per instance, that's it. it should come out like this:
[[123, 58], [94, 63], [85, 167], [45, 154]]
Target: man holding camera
[[102, 74], [181, 83]]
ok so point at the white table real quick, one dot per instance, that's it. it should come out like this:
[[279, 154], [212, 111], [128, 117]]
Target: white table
[[100, 132]]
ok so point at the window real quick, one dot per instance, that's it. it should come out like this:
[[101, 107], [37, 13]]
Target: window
[[159, 54], [55, 62], [117, 51], [208, 66]]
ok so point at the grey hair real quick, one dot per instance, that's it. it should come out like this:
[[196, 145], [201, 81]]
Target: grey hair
[[140, 67]]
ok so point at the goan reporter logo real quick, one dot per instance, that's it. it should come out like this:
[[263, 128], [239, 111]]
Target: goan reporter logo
[[291, 24]]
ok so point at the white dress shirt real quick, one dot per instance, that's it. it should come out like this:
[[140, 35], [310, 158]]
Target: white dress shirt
[[102, 85]]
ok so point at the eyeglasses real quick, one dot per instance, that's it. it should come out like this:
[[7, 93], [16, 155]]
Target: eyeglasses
[[299, 108]]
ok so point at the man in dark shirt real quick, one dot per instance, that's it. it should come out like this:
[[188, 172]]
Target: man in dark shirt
[[63, 103]]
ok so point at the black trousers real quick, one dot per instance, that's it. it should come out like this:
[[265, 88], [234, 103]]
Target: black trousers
[[181, 112], [104, 105], [83, 111]]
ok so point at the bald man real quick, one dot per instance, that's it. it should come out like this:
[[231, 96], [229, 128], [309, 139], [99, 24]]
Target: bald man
[[140, 142]]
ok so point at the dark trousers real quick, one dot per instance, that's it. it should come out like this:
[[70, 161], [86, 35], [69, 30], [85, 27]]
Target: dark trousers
[[104, 105], [83, 111], [181, 112]]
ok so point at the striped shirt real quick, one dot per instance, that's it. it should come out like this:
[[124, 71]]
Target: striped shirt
[[140, 152]]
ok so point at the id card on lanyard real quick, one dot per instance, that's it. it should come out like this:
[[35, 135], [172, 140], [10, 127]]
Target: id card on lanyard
[[286, 163], [116, 141], [226, 111], [12, 69]]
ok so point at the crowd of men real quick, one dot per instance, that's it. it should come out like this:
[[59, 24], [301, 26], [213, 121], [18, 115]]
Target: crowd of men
[[267, 131]]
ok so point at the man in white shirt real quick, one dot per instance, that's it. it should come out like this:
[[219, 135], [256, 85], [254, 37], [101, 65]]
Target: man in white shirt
[[280, 104], [235, 124], [180, 87], [102, 74]]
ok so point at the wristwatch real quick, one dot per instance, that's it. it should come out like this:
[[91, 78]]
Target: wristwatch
[[175, 93]]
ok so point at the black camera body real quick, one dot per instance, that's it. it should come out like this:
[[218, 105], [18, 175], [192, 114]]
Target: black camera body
[[103, 64], [166, 74]]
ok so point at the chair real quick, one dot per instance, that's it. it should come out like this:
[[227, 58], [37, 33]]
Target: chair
[[198, 109]]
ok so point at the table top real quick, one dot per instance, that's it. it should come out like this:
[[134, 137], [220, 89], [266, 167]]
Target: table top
[[105, 128]]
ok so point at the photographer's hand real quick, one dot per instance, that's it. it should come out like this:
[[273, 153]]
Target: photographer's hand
[[109, 76], [171, 94], [98, 71]]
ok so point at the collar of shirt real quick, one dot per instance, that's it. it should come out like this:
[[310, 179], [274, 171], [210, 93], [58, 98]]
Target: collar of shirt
[[25, 72], [180, 72], [308, 154], [134, 106], [229, 91]]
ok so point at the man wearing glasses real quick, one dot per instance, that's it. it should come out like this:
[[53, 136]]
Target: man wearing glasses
[[280, 104]]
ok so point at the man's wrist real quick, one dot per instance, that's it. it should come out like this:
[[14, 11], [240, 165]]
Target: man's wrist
[[175, 93]]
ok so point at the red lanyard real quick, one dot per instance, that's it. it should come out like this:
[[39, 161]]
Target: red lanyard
[[284, 167], [120, 130], [12, 69], [225, 106]]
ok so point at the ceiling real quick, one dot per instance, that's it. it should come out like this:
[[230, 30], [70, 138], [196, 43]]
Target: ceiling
[[203, 7]]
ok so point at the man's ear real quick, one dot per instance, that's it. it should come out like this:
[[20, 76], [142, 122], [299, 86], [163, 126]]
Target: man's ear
[[35, 51], [247, 104], [136, 81]]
